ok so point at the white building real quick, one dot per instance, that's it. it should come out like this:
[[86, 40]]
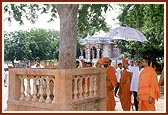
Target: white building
[[97, 46]]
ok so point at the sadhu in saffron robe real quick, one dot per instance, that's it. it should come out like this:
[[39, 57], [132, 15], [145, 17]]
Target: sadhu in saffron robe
[[124, 90], [111, 84], [147, 87]]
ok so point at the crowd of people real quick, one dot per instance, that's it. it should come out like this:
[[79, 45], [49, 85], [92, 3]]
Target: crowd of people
[[134, 83]]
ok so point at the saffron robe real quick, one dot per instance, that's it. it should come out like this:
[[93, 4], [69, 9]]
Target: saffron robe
[[124, 90], [148, 87], [111, 84]]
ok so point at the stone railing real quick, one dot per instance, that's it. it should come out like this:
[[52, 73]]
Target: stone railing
[[57, 90]]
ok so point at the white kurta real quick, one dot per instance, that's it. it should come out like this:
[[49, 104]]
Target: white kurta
[[135, 78], [118, 74]]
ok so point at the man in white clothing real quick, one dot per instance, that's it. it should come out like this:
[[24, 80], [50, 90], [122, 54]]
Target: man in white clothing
[[37, 65], [5, 88], [134, 82], [6, 75], [118, 75]]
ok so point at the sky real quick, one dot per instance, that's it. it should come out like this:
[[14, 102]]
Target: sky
[[42, 22]]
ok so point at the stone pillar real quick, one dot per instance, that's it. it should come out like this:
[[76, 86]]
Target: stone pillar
[[98, 53], [88, 54]]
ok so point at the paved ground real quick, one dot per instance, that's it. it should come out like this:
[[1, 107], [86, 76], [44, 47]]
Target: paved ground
[[160, 104]]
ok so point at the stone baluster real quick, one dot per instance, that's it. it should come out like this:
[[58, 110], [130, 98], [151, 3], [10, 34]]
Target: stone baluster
[[73, 84], [86, 87], [28, 97], [41, 99], [54, 99], [76, 88], [92, 85], [89, 85], [95, 85], [80, 87], [34, 91], [45, 87], [48, 100], [22, 97]]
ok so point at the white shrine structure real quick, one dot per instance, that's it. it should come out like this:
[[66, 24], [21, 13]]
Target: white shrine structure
[[97, 46]]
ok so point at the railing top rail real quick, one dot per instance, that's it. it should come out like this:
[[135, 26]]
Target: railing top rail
[[48, 71]]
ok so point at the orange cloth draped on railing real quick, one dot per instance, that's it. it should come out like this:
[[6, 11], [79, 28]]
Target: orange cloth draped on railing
[[147, 87], [124, 90], [111, 84]]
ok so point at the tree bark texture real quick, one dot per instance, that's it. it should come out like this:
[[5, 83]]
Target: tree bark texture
[[68, 35]]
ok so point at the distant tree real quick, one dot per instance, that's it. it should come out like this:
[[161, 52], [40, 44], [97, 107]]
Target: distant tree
[[30, 44]]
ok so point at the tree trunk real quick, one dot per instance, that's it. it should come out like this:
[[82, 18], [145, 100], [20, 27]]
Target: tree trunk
[[68, 34]]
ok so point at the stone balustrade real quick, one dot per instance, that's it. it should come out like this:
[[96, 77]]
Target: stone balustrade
[[57, 90]]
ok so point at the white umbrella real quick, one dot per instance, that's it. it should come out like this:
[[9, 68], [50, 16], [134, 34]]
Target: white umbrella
[[126, 33]]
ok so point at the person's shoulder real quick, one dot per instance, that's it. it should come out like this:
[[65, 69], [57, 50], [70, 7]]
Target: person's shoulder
[[112, 67], [149, 68]]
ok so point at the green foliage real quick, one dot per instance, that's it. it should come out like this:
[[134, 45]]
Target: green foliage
[[90, 16], [30, 44], [90, 19], [19, 12], [149, 19]]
